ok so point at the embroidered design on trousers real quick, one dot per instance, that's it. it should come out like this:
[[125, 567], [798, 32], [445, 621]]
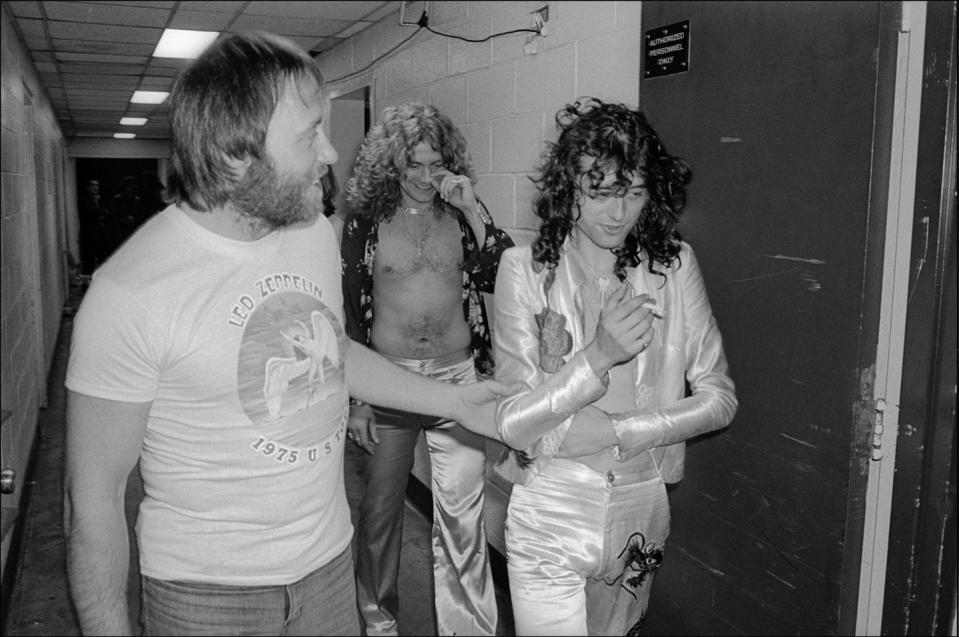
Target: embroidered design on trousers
[[642, 559]]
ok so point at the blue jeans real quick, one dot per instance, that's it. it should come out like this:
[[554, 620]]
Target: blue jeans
[[322, 603]]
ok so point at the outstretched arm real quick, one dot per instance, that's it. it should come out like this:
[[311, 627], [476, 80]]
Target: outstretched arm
[[372, 378], [104, 438]]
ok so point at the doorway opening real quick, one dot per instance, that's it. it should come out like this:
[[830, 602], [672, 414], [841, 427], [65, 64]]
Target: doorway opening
[[350, 119]]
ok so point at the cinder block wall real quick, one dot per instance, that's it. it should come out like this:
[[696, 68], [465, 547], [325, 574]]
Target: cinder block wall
[[502, 98], [31, 261]]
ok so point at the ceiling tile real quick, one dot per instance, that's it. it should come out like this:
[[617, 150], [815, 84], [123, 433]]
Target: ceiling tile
[[91, 55], [112, 48], [346, 11], [201, 20], [25, 9], [67, 56], [101, 69], [288, 26], [31, 28], [103, 14], [104, 32]]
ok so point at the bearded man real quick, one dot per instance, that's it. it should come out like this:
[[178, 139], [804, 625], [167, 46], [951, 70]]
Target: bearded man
[[211, 348]]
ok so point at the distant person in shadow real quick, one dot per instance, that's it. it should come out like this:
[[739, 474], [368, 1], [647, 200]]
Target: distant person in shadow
[[126, 211], [94, 228], [151, 195]]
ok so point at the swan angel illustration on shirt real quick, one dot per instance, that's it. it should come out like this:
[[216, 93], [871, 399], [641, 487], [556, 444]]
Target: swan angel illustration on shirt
[[310, 350]]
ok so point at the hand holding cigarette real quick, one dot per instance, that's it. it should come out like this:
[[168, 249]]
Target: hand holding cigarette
[[651, 306]]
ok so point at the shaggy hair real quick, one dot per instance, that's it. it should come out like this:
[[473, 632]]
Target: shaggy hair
[[612, 138], [222, 106], [374, 188]]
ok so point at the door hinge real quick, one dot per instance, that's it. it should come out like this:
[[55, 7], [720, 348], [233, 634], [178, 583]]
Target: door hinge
[[877, 429]]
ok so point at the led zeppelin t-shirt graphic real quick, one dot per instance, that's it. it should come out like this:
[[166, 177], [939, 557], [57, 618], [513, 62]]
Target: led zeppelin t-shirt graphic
[[290, 361], [313, 350]]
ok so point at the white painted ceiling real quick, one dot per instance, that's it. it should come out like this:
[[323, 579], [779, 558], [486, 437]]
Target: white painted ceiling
[[92, 55]]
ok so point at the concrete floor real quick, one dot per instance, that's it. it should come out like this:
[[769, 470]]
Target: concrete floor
[[39, 602]]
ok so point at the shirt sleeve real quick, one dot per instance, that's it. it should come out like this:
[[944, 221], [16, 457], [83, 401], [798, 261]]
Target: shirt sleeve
[[534, 419], [116, 348], [712, 402], [483, 264]]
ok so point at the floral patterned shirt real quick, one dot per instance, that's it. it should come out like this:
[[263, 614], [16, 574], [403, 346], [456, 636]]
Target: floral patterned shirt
[[358, 251]]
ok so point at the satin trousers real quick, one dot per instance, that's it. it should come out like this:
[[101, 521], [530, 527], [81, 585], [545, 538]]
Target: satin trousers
[[465, 599], [582, 547]]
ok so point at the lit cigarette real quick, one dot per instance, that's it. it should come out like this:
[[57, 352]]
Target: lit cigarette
[[649, 305]]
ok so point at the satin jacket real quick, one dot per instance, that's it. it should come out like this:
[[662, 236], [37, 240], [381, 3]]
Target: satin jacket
[[686, 347]]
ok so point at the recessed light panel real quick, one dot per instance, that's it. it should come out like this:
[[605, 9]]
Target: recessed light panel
[[183, 43], [149, 97]]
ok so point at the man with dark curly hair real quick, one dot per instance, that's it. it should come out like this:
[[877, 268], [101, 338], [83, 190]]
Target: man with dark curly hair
[[419, 250], [603, 321]]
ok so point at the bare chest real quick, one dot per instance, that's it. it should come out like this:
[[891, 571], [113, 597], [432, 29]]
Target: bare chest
[[411, 245]]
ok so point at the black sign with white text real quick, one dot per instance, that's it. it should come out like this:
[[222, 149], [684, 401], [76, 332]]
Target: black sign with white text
[[667, 50]]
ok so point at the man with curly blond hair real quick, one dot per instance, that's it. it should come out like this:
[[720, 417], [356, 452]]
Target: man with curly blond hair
[[418, 250]]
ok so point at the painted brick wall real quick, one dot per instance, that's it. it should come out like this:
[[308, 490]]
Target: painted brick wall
[[503, 99], [31, 265]]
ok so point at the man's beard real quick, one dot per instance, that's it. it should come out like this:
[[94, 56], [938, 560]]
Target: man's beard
[[272, 201]]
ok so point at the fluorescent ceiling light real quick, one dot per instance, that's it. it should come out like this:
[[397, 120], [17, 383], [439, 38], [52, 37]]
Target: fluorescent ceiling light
[[149, 97], [182, 43], [133, 121], [124, 135]]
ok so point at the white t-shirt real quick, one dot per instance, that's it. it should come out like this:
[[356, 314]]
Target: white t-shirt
[[240, 347]]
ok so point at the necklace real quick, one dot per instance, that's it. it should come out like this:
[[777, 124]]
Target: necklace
[[600, 282], [423, 232], [594, 293], [417, 211]]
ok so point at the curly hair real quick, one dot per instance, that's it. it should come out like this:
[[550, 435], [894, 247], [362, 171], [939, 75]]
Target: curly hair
[[618, 140], [374, 188]]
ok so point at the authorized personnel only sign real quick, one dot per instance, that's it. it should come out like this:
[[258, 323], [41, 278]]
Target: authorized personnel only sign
[[667, 50]]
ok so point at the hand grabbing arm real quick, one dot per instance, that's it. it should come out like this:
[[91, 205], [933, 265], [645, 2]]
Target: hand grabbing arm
[[591, 432]]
